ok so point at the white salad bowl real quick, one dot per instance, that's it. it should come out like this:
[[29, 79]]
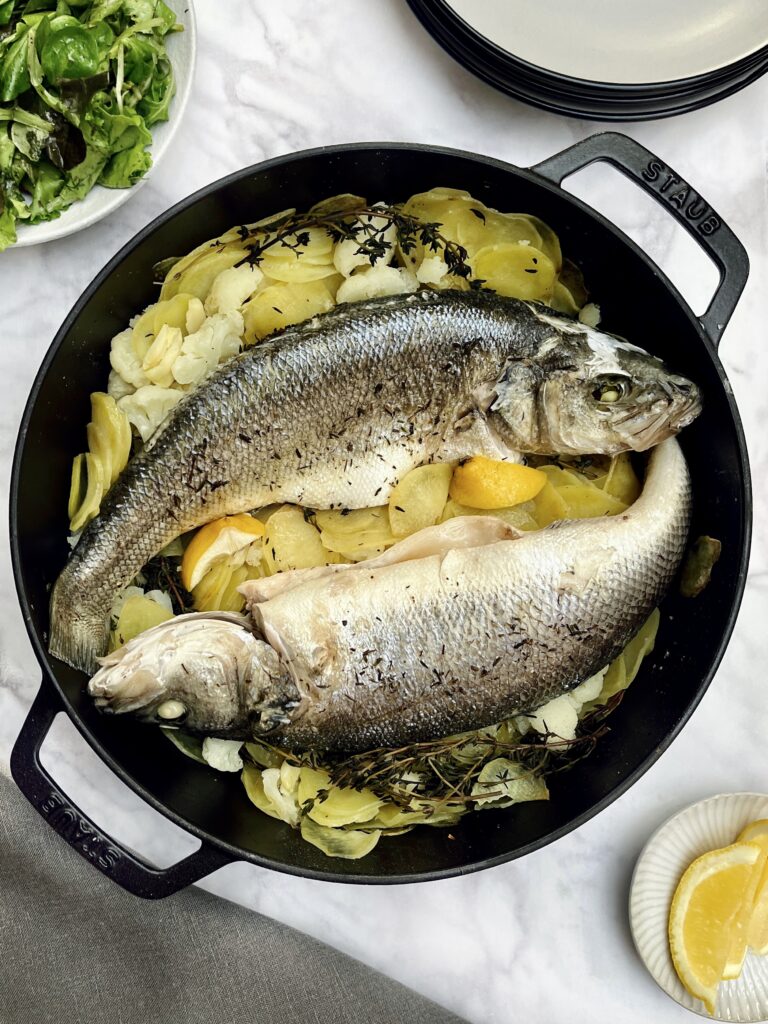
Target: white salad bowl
[[101, 201]]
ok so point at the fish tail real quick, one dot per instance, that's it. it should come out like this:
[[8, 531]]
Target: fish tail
[[78, 633]]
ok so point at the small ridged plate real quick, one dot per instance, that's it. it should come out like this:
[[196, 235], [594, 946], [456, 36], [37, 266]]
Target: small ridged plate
[[707, 825]]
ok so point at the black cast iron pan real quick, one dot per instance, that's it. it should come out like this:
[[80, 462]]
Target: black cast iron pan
[[637, 301]]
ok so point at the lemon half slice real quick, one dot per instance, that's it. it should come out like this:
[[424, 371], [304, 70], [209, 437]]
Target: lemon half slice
[[216, 542], [705, 917], [751, 910], [757, 926]]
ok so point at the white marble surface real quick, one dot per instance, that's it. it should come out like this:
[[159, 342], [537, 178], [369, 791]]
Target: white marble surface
[[545, 938]]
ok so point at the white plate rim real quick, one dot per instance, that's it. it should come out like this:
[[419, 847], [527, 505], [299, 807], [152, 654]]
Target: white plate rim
[[576, 72], [62, 226], [670, 984]]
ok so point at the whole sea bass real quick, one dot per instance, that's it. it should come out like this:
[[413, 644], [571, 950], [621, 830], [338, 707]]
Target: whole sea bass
[[455, 628], [332, 413]]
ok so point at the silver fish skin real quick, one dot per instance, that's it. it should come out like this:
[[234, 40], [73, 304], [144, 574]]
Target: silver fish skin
[[447, 639], [334, 412]]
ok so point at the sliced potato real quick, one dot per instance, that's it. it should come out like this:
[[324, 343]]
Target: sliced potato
[[615, 680], [436, 812], [92, 492], [352, 521], [358, 534], [583, 501], [291, 542], [114, 436], [137, 615], [488, 484], [311, 782], [217, 590], [342, 203], [232, 287], [348, 844], [311, 261], [549, 505], [390, 816], [78, 486], [172, 312], [520, 516], [198, 277], [515, 270], [502, 782], [345, 806], [559, 476], [550, 243], [562, 300], [263, 755], [280, 305], [254, 787], [418, 500], [282, 798], [641, 644], [621, 480], [479, 227]]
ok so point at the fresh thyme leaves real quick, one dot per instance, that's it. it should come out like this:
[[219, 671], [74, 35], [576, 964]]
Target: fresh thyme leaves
[[443, 775], [163, 574], [368, 226]]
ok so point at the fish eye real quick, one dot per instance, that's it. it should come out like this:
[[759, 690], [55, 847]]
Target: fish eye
[[171, 710], [609, 390]]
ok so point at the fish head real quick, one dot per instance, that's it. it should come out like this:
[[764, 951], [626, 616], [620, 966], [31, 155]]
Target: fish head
[[191, 671], [586, 392]]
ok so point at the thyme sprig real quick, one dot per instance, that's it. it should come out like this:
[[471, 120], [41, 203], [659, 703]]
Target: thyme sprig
[[161, 573], [365, 224], [436, 772]]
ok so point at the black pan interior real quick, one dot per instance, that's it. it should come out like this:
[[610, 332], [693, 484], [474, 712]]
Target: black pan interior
[[636, 301]]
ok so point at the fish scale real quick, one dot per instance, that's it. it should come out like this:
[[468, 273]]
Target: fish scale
[[333, 413]]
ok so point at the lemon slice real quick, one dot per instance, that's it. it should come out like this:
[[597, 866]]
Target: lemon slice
[[757, 834], [704, 917], [757, 925], [216, 542]]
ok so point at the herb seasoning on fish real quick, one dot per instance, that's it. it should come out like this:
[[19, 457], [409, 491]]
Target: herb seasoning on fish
[[365, 393]]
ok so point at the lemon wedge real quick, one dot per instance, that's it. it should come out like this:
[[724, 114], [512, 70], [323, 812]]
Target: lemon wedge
[[757, 925], [705, 917], [751, 911], [218, 541]]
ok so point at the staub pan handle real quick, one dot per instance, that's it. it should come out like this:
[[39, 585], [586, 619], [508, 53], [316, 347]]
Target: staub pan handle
[[676, 195], [99, 849]]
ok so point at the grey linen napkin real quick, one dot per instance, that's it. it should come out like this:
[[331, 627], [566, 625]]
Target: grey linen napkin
[[76, 949]]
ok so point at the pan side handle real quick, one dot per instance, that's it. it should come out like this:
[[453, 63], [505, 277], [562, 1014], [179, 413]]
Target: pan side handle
[[685, 204], [104, 853]]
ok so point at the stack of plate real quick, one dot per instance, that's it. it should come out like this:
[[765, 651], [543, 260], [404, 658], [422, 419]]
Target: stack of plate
[[606, 60]]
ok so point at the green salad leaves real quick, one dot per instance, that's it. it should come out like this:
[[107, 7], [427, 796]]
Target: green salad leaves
[[81, 84]]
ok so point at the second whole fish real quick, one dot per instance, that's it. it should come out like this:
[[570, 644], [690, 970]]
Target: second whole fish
[[334, 412], [454, 629]]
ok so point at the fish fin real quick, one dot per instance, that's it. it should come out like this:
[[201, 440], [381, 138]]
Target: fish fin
[[459, 532], [76, 638], [472, 435]]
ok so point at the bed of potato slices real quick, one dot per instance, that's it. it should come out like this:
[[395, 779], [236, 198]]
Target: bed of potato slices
[[213, 303]]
